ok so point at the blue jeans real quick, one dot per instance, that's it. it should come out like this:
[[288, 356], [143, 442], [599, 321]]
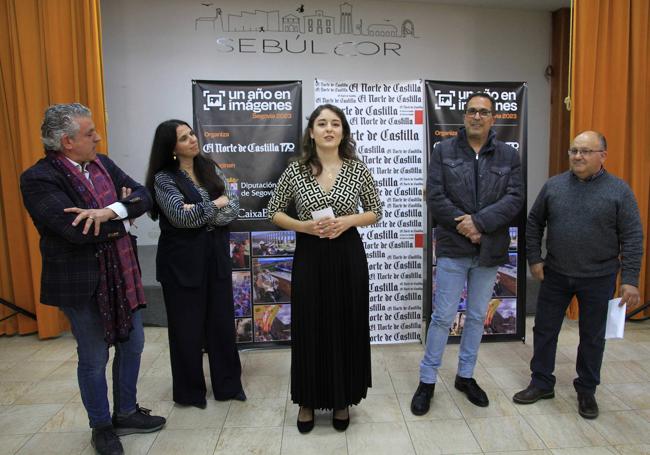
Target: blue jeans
[[555, 294], [93, 357], [451, 275]]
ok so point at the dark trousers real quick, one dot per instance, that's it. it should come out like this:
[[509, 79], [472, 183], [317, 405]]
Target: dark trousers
[[555, 295], [92, 350], [201, 317]]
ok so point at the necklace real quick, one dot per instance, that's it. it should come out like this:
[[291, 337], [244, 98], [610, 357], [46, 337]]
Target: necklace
[[332, 172]]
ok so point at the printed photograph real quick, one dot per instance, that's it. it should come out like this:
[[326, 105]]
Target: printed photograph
[[240, 250], [273, 243], [456, 328], [244, 330], [513, 238], [272, 322], [234, 187], [501, 317], [505, 284], [241, 294], [272, 279]]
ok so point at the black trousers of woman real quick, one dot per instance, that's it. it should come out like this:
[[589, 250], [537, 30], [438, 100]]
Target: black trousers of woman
[[197, 317]]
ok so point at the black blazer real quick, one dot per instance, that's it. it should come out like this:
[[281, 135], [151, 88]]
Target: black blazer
[[70, 273], [183, 252]]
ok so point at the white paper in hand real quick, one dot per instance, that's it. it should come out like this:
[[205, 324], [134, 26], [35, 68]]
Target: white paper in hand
[[615, 319], [327, 212]]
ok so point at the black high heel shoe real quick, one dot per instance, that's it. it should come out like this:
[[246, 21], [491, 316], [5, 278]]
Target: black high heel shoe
[[307, 425], [241, 396], [340, 424]]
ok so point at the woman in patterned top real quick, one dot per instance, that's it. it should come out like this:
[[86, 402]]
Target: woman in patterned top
[[195, 205], [330, 340]]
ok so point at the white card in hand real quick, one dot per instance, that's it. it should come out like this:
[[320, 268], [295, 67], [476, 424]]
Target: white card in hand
[[615, 319], [327, 212]]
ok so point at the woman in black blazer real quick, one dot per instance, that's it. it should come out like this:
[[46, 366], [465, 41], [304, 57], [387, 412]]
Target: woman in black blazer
[[194, 203]]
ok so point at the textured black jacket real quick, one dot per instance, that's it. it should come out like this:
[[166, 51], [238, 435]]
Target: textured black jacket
[[183, 253], [489, 188], [70, 273]]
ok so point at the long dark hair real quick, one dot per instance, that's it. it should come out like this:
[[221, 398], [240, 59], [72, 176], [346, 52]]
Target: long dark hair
[[347, 147], [162, 159]]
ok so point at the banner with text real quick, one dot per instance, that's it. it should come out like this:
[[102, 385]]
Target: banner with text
[[386, 119], [251, 129], [505, 318]]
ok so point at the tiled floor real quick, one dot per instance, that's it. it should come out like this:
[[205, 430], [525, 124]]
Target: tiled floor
[[41, 413]]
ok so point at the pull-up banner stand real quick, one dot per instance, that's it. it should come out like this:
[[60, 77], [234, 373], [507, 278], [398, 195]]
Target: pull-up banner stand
[[251, 129], [505, 318]]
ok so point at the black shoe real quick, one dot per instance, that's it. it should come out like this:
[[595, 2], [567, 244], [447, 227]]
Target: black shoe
[[307, 425], [587, 406], [474, 393], [106, 442], [340, 424], [200, 404], [422, 398], [141, 421], [531, 394], [241, 396]]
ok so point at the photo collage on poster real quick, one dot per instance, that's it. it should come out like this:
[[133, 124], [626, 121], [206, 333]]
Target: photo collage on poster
[[261, 277], [501, 315]]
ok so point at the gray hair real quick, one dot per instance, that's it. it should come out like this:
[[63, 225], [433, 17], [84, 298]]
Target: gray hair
[[60, 119]]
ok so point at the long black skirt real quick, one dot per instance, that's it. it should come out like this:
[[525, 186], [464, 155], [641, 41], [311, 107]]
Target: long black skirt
[[330, 334]]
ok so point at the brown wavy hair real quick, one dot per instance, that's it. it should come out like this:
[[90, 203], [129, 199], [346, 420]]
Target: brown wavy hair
[[347, 147]]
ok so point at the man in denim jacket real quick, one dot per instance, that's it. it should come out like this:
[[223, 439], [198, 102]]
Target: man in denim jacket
[[474, 192]]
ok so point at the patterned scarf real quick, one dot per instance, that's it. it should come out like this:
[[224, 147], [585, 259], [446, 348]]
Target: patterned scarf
[[120, 286]]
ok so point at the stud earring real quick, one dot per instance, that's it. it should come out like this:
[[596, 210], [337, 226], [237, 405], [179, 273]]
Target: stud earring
[[174, 157]]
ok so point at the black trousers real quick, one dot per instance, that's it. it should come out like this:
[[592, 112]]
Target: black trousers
[[197, 317], [555, 295]]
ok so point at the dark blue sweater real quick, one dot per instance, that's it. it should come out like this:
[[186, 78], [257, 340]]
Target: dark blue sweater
[[593, 227]]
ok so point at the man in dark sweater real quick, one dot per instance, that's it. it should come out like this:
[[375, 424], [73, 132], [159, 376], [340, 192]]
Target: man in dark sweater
[[593, 230]]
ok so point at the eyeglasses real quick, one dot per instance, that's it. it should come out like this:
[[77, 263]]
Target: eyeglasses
[[583, 152], [471, 112]]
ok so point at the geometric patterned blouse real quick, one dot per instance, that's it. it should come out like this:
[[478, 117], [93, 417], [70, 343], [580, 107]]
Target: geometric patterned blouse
[[353, 187]]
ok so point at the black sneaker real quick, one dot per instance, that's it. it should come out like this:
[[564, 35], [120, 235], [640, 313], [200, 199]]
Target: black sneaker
[[106, 442], [587, 406], [474, 393], [141, 421], [422, 398]]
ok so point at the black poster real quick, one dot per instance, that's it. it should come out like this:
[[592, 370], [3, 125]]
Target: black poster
[[505, 318], [251, 129]]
